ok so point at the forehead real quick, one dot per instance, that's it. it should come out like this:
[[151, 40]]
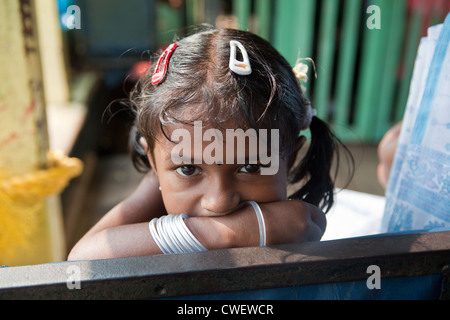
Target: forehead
[[200, 133], [200, 143]]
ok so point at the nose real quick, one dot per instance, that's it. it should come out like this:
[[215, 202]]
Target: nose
[[221, 196]]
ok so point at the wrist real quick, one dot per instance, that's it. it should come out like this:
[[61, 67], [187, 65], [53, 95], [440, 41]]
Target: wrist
[[293, 221], [244, 227], [211, 232]]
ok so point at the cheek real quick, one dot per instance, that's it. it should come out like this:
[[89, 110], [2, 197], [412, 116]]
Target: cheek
[[276, 187], [178, 199], [268, 188], [174, 202], [274, 190]]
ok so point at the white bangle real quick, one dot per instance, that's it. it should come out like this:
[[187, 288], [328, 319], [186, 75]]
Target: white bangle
[[191, 239], [155, 235], [169, 231], [172, 235], [181, 236], [261, 224]]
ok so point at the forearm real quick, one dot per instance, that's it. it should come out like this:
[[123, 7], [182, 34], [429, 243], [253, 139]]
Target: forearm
[[289, 221], [143, 205], [136, 240], [238, 229], [115, 242]]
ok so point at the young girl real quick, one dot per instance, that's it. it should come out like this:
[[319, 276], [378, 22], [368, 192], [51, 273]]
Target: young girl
[[206, 86]]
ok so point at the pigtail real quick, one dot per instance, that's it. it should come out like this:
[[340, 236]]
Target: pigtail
[[316, 165]]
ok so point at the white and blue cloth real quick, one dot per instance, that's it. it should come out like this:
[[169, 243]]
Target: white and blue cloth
[[418, 191]]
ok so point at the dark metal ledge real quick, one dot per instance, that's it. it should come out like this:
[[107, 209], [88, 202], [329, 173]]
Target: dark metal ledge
[[164, 276]]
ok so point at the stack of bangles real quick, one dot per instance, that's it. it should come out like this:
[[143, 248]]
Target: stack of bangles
[[173, 236]]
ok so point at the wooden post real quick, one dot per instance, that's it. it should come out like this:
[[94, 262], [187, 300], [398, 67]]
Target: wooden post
[[29, 231]]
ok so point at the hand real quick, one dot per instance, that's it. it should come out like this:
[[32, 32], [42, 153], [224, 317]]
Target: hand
[[293, 221], [386, 151]]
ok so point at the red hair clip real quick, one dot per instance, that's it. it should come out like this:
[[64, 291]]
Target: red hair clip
[[161, 67]]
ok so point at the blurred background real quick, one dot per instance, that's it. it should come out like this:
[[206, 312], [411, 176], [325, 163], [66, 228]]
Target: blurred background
[[64, 61]]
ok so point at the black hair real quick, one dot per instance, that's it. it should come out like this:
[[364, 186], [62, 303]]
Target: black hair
[[270, 97]]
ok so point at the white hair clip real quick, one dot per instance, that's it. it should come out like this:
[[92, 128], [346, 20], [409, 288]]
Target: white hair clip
[[301, 70], [243, 67]]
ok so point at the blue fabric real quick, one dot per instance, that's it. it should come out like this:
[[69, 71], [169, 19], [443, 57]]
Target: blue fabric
[[418, 192], [431, 83]]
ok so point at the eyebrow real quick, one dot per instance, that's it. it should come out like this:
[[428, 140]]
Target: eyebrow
[[185, 160], [191, 160]]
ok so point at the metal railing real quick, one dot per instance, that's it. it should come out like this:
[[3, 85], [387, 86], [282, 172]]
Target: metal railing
[[416, 267]]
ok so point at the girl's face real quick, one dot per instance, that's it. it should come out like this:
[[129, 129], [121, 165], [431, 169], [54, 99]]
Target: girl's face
[[197, 188]]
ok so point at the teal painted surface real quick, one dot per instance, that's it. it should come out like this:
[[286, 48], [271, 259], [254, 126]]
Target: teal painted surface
[[363, 74]]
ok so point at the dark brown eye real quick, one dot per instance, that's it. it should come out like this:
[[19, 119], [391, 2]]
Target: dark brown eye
[[188, 171], [250, 168]]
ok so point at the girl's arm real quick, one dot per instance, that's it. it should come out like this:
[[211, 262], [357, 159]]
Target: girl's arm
[[289, 221], [286, 222], [143, 205]]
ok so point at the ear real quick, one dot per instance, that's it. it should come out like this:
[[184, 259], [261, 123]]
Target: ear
[[150, 158], [144, 144], [298, 145]]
